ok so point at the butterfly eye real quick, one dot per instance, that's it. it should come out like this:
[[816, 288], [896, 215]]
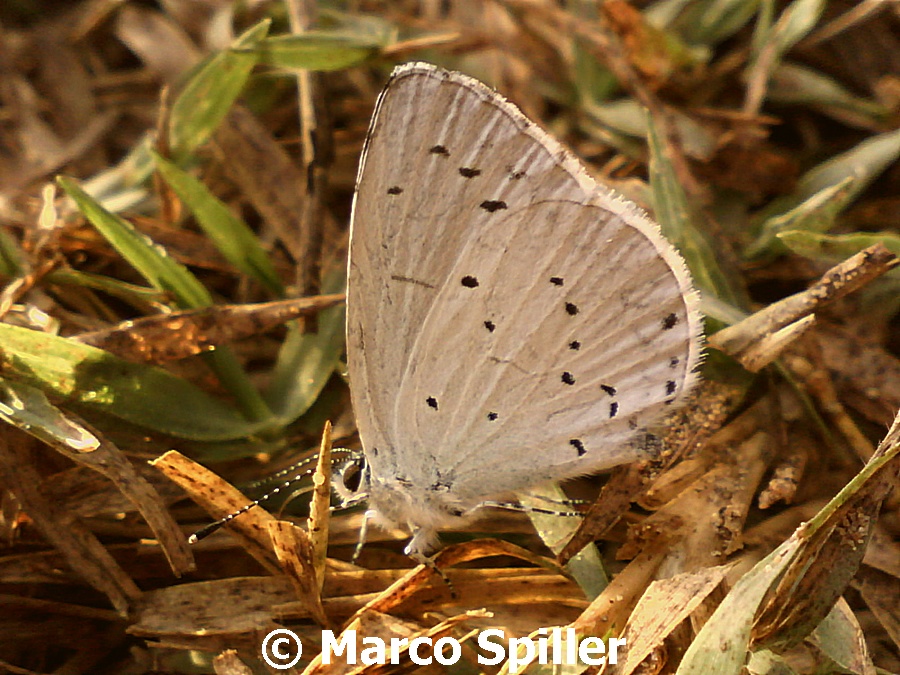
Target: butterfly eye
[[351, 475]]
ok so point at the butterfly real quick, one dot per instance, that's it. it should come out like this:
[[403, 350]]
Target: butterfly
[[510, 321]]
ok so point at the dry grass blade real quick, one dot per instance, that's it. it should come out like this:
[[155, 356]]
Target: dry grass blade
[[845, 278], [220, 499], [85, 555], [320, 508], [662, 608], [157, 339], [295, 555], [384, 627], [70, 436], [416, 579], [265, 172]]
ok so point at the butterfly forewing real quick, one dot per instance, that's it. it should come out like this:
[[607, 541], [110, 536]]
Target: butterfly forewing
[[509, 321]]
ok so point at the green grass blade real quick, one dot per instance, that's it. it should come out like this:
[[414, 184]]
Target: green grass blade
[[166, 274], [307, 360], [709, 22], [144, 395], [12, 260], [151, 261], [722, 645], [555, 531], [837, 247], [236, 241], [674, 215], [798, 85], [816, 214], [137, 296], [28, 409], [317, 51], [794, 24], [210, 91], [864, 163]]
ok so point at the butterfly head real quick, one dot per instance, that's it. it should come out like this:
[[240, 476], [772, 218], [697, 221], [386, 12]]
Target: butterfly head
[[352, 485]]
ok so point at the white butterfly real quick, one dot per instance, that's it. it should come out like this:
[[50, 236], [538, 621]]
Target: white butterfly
[[510, 321]]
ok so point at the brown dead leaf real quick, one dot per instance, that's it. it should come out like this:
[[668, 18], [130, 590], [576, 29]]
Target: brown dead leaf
[[648, 49]]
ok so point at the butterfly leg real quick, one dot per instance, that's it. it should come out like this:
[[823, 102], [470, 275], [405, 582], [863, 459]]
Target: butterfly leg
[[363, 532], [423, 539], [522, 508]]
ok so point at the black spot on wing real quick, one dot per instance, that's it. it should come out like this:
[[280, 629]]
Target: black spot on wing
[[469, 281], [491, 206], [669, 322]]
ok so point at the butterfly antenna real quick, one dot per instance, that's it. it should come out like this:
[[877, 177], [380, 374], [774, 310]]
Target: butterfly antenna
[[290, 470], [204, 532], [295, 467]]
